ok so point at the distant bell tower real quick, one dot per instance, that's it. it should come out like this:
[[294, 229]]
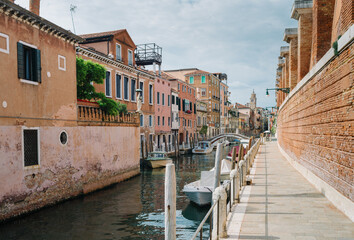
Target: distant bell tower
[[253, 102]]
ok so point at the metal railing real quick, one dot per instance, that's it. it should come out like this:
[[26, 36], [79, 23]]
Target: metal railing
[[210, 216], [233, 187]]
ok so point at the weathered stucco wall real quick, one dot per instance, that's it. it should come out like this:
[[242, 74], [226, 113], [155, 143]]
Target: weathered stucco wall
[[315, 126], [55, 96], [94, 157]]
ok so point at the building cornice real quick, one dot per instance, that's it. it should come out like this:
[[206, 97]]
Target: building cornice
[[301, 7], [15, 11], [289, 34], [107, 60], [284, 50]]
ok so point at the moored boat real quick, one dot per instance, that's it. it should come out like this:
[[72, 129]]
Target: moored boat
[[158, 159], [203, 147]]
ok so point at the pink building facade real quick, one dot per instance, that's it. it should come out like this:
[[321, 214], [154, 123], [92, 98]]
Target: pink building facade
[[163, 138]]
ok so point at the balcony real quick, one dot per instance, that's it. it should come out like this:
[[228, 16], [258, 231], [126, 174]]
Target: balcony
[[94, 116], [216, 110], [202, 108]]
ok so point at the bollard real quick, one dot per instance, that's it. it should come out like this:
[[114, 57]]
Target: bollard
[[233, 179], [219, 213], [241, 166], [217, 167], [170, 202]]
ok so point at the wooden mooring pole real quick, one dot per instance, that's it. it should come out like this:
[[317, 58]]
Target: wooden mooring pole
[[170, 202]]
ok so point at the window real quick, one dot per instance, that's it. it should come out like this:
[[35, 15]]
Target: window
[[150, 120], [163, 121], [203, 90], [4, 43], [158, 98], [63, 137], [151, 92], [133, 90], [158, 120], [118, 52], [130, 57], [168, 100], [28, 63], [141, 120], [142, 91], [108, 84], [191, 80], [163, 99], [31, 147], [61, 63], [169, 120], [178, 86], [199, 120], [118, 86], [173, 99], [126, 88], [203, 79]]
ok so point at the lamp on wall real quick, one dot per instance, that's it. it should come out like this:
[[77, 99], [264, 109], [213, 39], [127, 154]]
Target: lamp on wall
[[286, 90]]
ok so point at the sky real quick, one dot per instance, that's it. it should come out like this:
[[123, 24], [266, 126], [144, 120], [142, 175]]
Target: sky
[[241, 38]]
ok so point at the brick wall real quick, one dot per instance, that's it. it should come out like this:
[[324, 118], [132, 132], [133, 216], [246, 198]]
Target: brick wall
[[321, 35], [315, 127]]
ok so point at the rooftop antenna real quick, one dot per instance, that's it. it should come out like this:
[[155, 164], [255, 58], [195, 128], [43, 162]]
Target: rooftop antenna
[[72, 10]]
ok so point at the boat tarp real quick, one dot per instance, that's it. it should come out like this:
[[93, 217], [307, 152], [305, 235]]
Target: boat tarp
[[207, 178]]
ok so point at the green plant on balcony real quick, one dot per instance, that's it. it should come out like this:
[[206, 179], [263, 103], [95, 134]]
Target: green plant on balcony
[[204, 130], [88, 72], [233, 113]]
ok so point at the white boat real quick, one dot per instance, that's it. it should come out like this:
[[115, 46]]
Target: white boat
[[225, 169], [201, 192], [158, 159], [203, 147], [226, 143], [244, 142]]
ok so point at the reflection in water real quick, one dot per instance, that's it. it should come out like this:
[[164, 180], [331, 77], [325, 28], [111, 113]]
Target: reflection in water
[[133, 209]]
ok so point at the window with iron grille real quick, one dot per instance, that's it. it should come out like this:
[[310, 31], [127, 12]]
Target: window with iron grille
[[30, 147]]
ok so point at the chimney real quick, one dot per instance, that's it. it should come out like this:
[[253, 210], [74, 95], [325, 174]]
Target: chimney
[[34, 6]]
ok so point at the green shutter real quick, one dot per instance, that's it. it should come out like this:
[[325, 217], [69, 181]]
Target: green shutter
[[195, 109], [20, 61], [183, 106], [37, 65]]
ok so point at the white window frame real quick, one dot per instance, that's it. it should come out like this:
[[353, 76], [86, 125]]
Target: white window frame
[[64, 58], [142, 91], [120, 52], [130, 51], [142, 122], [110, 82], [135, 89], [151, 121], [124, 88], [151, 94], [25, 80], [121, 84], [23, 147], [7, 50]]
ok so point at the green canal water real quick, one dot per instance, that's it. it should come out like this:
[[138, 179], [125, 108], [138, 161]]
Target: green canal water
[[133, 209]]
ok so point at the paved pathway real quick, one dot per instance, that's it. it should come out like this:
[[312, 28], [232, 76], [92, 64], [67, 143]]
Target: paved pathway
[[282, 204]]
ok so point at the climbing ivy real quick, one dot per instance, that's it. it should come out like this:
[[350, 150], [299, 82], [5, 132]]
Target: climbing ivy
[[88, 72]]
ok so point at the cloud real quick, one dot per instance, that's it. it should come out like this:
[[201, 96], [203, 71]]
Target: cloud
[[240, 38]]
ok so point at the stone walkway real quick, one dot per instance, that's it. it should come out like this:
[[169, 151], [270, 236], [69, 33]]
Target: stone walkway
[[282, 204]]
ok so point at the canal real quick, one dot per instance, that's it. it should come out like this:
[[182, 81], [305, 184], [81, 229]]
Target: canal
[[133, 209]]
